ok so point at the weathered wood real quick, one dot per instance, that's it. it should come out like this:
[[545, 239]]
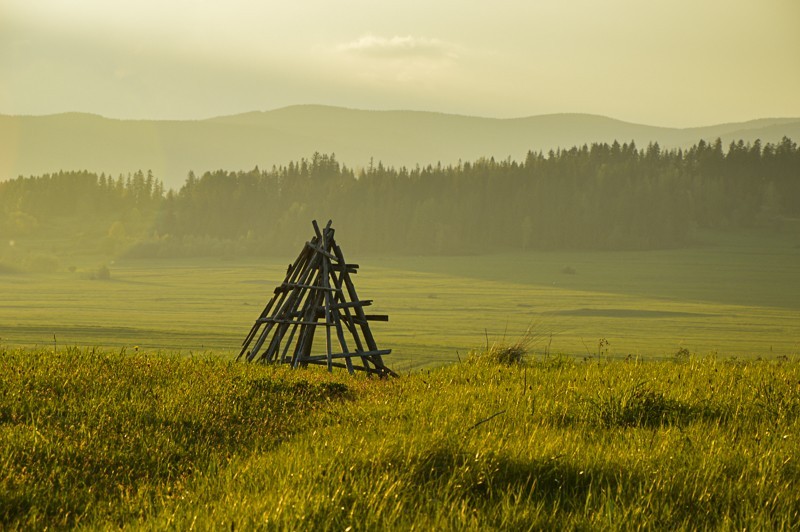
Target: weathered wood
[[348, 322], [321, 251], [317, 232], [288, 286], [289, 304], [349, 268], [351, 304], [306, 341], [293, 322], [348, 355], [298, 270], [381, 372], [351, 290], [317, 292], [325, 282], [289, 274], [333, 312]]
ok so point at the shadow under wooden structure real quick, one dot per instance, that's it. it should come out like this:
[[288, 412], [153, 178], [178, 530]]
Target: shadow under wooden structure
[[317, 291]]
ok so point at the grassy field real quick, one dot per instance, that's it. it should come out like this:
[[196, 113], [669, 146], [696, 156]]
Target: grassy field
[[137, 441], [661, 391], [733, 296]]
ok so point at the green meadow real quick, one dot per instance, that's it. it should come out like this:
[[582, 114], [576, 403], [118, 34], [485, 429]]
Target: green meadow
[[731, 296], [540, 390], [101, 440]]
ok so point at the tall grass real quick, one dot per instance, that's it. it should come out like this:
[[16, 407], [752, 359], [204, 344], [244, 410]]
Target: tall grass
[[98, 439]]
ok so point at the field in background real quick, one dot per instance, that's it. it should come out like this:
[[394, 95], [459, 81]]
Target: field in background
[[736, 296]]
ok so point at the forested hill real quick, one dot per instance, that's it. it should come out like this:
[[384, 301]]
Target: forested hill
[[34, 145], [603, 196]]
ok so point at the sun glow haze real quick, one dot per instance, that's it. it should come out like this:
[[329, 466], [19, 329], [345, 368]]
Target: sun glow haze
[[678, 64]]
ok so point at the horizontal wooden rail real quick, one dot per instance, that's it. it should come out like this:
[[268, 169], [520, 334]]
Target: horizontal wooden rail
[[377, 352]]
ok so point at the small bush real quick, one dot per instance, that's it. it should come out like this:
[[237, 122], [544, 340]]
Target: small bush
[[682, 355], [505, 353], [103, 273]]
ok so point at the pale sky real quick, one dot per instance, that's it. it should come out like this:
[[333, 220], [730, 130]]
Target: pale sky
[[672, 63]]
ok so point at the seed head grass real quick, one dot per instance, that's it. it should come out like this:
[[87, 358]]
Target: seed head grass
[[145, 440], [508, 353]]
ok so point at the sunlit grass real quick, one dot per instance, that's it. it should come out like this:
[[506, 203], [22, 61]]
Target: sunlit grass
[[154, 440], [647, 304]]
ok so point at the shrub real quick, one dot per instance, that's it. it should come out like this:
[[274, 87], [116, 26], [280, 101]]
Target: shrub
[[507, 353], [682, 355], [103, 273]]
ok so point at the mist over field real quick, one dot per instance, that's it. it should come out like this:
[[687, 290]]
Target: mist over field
[[702, 228], [573, 169], [35, 145], [423, 265]]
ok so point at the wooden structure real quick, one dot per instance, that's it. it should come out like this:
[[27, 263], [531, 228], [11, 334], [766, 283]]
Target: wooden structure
[[317, 292]]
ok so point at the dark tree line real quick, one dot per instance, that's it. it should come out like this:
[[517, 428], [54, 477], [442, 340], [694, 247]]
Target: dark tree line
[[603, 196], [34, 205]]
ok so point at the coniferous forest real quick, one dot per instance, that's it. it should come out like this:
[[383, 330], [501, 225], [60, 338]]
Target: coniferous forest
[[609, 197]]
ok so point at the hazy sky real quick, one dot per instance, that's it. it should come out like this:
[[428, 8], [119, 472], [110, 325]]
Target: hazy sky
[[673, 63]]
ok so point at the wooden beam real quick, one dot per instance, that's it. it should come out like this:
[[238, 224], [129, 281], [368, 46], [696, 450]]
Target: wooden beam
[[351, 304], [293, 322], [289, 286], [381, 371], [347, 355], [321, 251], [349, 268]]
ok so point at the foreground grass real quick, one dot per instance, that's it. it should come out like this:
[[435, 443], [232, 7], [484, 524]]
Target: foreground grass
[[153, 441]]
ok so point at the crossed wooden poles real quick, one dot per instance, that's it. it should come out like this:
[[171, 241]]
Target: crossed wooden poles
[[317, 287]]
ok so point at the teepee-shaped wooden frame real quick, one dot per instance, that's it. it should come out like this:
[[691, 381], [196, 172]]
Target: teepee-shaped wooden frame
[[317, 287]]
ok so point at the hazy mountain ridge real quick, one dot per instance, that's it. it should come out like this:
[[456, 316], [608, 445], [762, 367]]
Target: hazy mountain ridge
[[32, 145]]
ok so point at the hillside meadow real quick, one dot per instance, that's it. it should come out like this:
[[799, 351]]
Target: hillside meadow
[[95, 439], [539, 390], [736, 297]]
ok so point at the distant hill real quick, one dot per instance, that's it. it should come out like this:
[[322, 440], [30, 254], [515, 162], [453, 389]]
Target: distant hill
[[32, 145]]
